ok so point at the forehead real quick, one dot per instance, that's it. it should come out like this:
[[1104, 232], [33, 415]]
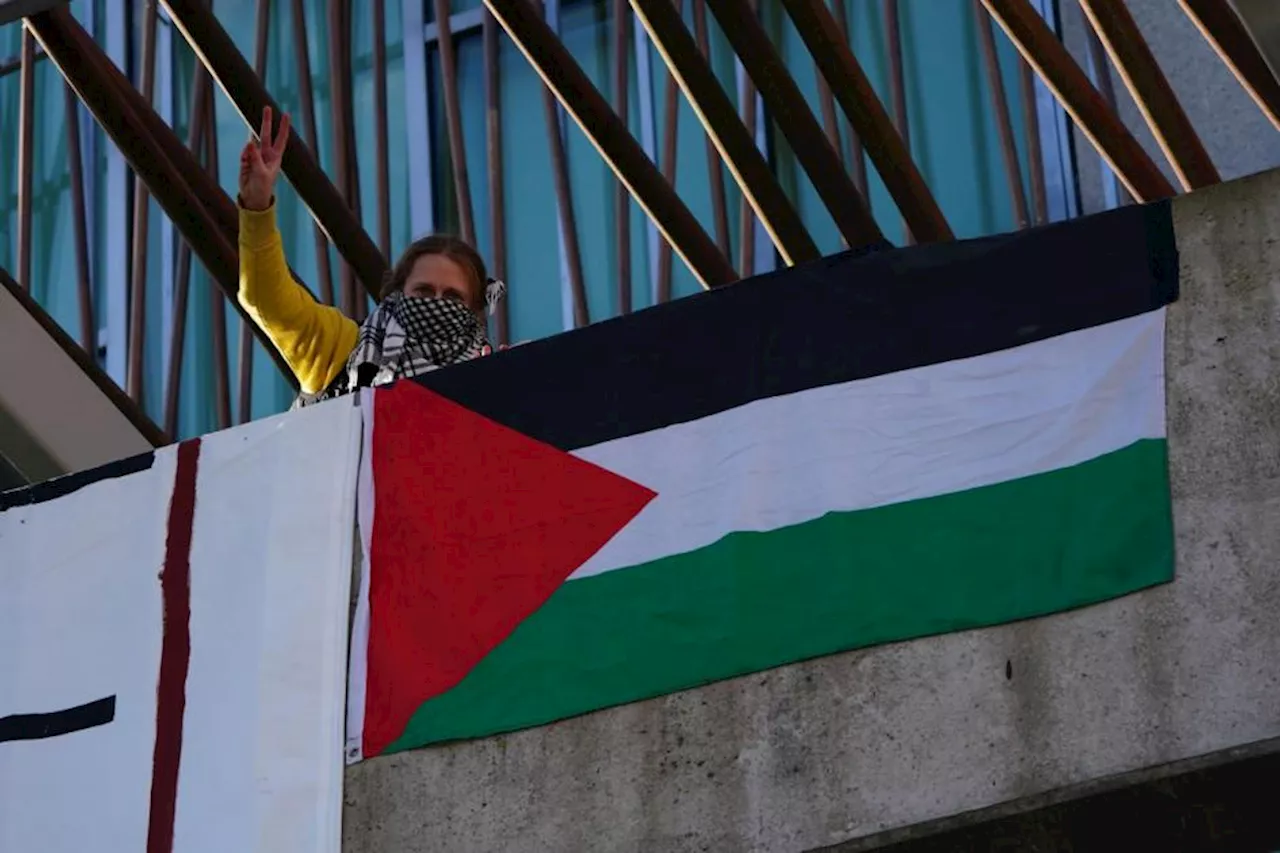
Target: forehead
[[439, 270]]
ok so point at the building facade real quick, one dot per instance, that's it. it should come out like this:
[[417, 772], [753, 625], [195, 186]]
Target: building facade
[[546, 219]]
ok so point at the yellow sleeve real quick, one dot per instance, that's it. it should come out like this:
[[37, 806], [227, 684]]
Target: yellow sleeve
[[315, 339]]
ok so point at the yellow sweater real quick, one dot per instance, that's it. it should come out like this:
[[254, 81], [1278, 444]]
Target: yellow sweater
[[315, 339]]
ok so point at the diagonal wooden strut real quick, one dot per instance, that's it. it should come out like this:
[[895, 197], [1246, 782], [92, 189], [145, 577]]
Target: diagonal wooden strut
[[1119, 34], [1221, 27], [786, 103], [197, 206], [869, 119], [1071, 86], [720, 119], [580, 98]]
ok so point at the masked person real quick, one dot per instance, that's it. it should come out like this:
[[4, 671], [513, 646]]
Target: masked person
[[431, 313]]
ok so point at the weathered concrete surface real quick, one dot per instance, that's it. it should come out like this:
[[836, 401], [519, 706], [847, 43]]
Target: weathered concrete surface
[[819, 753]]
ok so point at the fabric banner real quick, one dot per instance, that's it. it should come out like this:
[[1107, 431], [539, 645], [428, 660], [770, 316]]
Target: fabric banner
[[173, 645], [857, 451]]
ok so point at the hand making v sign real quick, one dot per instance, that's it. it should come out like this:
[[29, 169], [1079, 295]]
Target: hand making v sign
[[260, 163]]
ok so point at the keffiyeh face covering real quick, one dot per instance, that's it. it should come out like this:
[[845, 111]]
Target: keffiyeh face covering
[[409, 335]]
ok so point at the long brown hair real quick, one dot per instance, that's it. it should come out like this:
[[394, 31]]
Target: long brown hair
[[453, 248]]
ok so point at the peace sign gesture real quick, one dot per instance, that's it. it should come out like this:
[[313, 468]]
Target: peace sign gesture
[[260, 163]]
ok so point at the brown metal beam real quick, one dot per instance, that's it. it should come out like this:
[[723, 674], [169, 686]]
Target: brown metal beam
[[307, 107], [341, 111], [1221, 27], [1035, 152], [198, 207], [1102, 70], [261, 38], [26, 155], [79, 227], [669, 157], [1000, 106], [201, 94], [827, 105], [261, 44], [207, 191], [493, 156], [141, 219], [381, 167], [789, 111], [564, 209], [219, 54], [84, 66], [453, 122], [1041, 48], [1174, 132], [886, 147], [715, 171], [734, 142], [897, 83], [562, 74], [218, 299], [856, 159], [746, 214], [621, 201]]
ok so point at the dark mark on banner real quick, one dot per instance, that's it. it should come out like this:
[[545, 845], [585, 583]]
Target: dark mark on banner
[[37, 726]]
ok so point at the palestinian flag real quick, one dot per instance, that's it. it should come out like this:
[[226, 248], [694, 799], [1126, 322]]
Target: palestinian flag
[[862, 450]]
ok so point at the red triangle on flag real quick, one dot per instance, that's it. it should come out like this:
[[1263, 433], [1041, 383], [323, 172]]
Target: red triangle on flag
[[475, 525]]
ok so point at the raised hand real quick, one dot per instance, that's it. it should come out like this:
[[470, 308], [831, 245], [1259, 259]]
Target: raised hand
[[260, 163]]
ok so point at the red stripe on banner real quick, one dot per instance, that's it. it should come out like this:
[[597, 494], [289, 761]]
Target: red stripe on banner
[[175, 651]]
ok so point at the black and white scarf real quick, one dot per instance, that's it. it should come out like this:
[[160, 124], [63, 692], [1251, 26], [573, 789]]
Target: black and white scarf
[[410, 335]]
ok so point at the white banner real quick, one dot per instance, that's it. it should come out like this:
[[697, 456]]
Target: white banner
[[173, 645]]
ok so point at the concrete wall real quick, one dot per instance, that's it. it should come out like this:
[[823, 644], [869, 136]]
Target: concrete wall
[[1237, 135], [819, 753]]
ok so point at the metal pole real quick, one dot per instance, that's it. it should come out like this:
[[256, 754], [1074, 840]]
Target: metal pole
[[1221, 27], [1173, 131], [141, 219], [1038, 45], [621, 201], [307, 109], [79, 226], [715, 171], [792, 116], [730, 137], [670, 152], [453, 121], [26, 155], [1000, 106], [493, 151], [887, 148], [621, 151], [381, 165]]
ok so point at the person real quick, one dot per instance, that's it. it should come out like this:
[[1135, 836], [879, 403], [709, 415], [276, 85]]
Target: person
[[432, 304]]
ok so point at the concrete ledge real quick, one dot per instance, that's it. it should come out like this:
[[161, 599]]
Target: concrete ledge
[[1224, 802], [843, 747]]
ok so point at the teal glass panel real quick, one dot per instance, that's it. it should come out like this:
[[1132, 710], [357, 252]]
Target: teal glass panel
[[53, 281]]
